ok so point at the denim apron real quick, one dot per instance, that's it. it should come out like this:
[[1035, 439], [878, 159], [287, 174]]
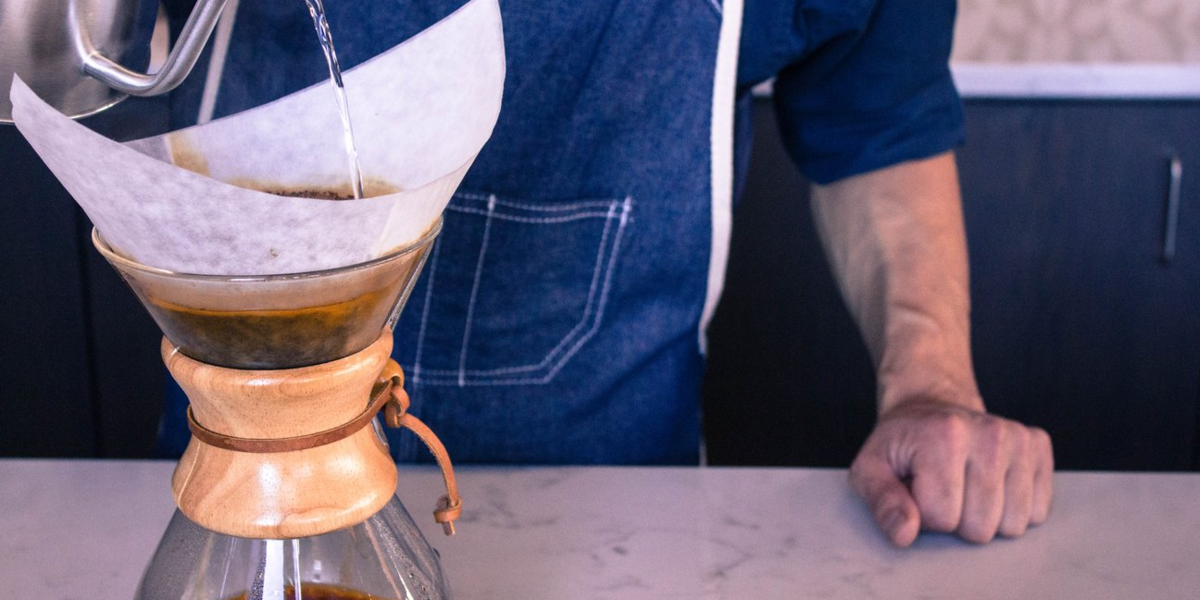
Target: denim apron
[[559, 316]]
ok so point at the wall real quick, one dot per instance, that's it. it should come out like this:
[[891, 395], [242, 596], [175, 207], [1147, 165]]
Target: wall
[[1121, 31]]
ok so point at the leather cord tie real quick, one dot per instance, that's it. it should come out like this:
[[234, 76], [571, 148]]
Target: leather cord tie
[[387, 395]]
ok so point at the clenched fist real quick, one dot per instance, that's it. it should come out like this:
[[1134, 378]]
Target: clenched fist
[[941, 467]]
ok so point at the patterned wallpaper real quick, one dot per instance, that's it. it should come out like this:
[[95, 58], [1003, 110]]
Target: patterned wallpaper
[[1018, 31]]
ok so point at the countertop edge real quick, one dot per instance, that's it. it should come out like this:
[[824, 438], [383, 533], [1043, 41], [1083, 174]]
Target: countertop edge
[[1124, 81], [1068, 81]]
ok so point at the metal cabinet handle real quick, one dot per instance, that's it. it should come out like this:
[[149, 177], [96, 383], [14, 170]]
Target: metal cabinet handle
[[1172, 225]]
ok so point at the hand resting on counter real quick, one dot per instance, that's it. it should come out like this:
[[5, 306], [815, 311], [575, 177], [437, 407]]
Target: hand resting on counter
[[947, 468]]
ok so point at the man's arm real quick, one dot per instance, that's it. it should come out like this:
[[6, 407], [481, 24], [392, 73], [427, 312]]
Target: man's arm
[[936, 459]]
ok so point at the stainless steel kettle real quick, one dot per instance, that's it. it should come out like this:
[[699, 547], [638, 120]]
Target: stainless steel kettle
[[70, 51]]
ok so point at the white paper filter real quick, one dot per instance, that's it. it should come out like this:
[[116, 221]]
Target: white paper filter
[[421, 113]]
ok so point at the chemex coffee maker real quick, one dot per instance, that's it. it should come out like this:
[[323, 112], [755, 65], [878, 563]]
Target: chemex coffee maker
[[286, 489], [277, 311]]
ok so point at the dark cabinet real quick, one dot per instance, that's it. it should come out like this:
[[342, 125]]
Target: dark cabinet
[[1080, 321], [79, 369], [45, 389], [1080, 324]]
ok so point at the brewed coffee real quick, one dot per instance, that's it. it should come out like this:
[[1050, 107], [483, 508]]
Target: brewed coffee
[[273, 339], [320, 591]]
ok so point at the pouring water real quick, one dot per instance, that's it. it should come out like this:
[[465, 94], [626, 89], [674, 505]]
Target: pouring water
[[317, 10]]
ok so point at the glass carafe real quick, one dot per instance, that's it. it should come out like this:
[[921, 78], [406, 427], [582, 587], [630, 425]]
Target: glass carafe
[[384, 557]]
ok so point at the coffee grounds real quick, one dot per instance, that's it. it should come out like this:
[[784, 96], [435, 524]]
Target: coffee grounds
[[314, 194]]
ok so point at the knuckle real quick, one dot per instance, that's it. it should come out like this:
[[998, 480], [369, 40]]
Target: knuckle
[[886, 507], [1014, 525], [995, 433], [1001, 444], [859, 464], [1020, 440], [976, 532], [1014, 529], [859, 470], [941, 517], [1040, 514], [990, 457], [951, 426], [982, 536], [1043, 449], [1041, 439], [949, 435]]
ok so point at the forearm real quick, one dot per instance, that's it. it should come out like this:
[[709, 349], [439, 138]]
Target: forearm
[[895, 240], [935, 460]]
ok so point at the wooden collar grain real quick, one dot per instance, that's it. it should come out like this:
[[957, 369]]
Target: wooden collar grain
[[388, 395], [382, 394]]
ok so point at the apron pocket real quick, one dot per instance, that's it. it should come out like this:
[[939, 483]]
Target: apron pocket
[[512, 290]]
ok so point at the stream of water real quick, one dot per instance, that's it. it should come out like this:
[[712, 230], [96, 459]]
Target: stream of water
[[316, 9]]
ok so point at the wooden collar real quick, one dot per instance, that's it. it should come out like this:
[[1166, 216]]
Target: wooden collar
[[387, 395]]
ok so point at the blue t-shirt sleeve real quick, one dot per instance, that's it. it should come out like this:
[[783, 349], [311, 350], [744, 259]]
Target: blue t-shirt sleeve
[[871, 95]]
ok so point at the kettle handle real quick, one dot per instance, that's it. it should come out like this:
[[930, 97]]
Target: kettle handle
[[179, 62]]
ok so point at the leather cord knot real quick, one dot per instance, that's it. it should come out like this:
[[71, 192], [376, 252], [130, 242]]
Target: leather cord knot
[[387, 395], [395, 415]]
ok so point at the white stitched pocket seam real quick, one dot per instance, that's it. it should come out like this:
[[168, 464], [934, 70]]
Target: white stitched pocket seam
[[542, 372]]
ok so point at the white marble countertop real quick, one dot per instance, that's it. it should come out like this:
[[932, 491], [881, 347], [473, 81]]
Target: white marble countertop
[[84, 530]]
